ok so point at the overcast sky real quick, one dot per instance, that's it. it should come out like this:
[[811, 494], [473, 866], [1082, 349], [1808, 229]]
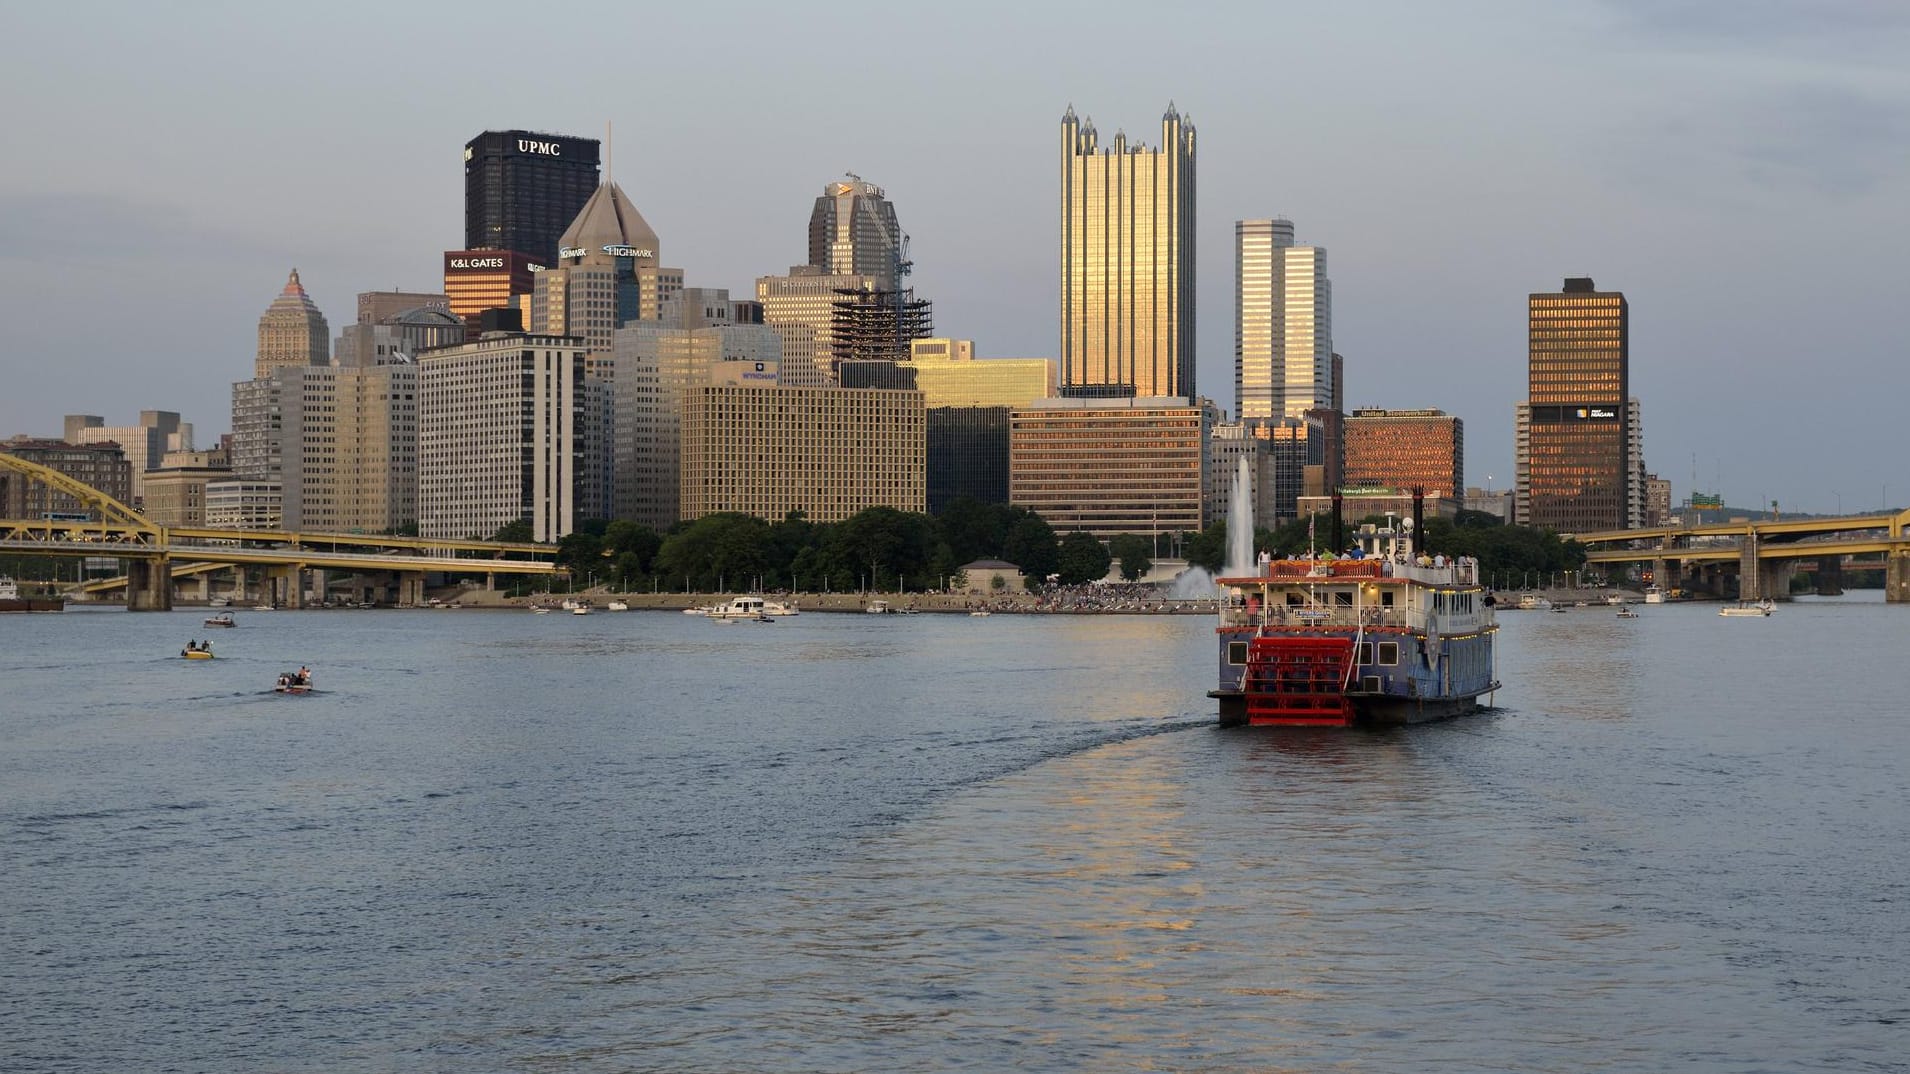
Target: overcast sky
[[1740, 169]]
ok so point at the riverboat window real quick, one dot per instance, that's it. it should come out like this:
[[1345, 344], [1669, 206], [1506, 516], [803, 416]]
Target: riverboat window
[[1389, 653], [1237, 652], [1386, 599], [1342, 599]]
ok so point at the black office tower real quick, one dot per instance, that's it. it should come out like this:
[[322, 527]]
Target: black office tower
[[522, 189]]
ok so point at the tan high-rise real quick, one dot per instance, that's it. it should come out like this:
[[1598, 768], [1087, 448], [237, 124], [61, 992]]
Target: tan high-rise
[[292, 331], [766, 450], [1127, 262]]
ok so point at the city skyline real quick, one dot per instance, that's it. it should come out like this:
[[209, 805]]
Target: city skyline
[[1736, 170]]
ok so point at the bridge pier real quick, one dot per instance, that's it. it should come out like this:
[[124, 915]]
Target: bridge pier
[[149, 585], [283, 587], [411, 589], [1896, 577], [1830, 576]]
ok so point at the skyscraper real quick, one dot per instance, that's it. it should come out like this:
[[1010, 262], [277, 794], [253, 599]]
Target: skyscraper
[[522, 189], [853, 232], [1127, 262], [1575, 465], [500, 436], [1283, 323], [607, 275], [292, 331]]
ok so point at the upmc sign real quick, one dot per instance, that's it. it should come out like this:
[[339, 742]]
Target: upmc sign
[[542, 149]]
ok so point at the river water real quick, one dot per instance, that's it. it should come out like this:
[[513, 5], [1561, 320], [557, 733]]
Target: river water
[[645, 841]]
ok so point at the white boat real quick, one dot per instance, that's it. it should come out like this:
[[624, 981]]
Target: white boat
[[617, 606], [776, 607], [1749, 608], [580, 609], [979, 612], [1625, 612], [539, 609], [1615, 599], [1533, 602], [877, 607], [740, 610], [218, 602], [264, 608], [704, 610], [1654, 595]]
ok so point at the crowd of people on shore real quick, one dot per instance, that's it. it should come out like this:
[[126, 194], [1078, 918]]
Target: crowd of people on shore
[[1095, 597]]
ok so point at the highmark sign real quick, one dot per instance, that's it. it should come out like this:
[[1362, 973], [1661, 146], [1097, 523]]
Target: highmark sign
[[613, 250]]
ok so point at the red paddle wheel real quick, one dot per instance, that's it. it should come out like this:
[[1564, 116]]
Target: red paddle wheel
[[1299, 681]]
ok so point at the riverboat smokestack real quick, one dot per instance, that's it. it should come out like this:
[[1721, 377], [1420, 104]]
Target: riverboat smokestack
[[1339, 538], [1419, 519]]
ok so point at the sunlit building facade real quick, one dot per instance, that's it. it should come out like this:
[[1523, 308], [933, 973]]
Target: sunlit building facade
[[1127, 262], [479, 280], [801, 308], [349, 446], [1108, 467], [1406, 449], [766, 450], [1576, 462], [292, 331]]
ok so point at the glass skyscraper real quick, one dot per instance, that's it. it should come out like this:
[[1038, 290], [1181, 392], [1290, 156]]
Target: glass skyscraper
[[522, 189], [853, 232], [1127, 262]]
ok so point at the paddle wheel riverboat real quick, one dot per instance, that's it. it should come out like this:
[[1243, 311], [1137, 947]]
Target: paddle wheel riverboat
[[1385, 636]]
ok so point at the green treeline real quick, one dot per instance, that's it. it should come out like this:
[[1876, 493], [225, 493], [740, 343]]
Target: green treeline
[[889, 550]]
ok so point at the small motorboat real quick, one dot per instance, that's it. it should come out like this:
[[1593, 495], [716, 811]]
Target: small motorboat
[[223, 619], [294, 682], [616, 606], [197, 650], [1625, 612]]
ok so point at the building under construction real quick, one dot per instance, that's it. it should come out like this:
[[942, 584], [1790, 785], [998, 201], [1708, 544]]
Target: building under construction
[[878, 325]]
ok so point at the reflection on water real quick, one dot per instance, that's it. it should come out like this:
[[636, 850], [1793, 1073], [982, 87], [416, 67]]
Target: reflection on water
[[931, 843]]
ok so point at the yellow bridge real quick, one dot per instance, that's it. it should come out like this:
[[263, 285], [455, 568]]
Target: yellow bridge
[[1757, 558], [158, 556]]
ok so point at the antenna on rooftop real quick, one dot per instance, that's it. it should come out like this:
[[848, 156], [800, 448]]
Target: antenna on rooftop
[[610, 154]]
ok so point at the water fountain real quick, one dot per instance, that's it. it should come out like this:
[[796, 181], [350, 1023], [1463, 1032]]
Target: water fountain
[[1195, 582], [1240, 523]]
